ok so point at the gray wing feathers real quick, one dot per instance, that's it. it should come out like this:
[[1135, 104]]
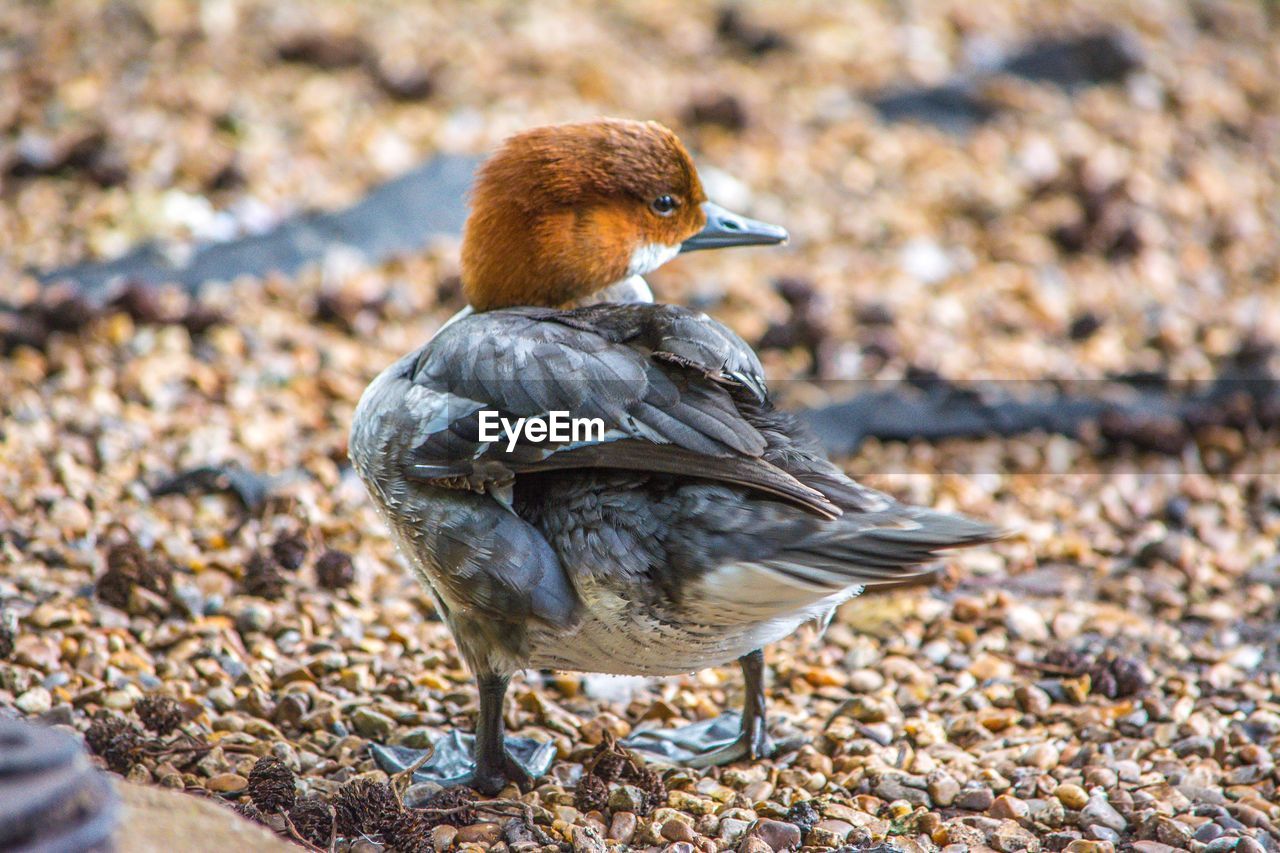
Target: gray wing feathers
[[629, 455], [879, 548], [503, 567], [651, 373], [525, 363]]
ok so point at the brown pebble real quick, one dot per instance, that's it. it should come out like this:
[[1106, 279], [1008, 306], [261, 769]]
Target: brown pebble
[[1100, 777], [1084, 846], [678, 830], [623, 827], [327, 50], [723, 110], [1071, 796], [838, 828], [976, 799], [227, 783], [777, 834], [480, 833], [1008, 807], [1033, 700], [443, 836]]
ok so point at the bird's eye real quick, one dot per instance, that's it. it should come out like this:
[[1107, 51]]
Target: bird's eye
[[664, 205]]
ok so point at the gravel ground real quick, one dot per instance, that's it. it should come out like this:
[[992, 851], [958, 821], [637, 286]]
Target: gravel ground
[[1105, 679]]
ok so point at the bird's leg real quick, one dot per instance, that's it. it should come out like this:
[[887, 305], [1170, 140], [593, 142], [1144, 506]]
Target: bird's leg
[[753, 739], [755, 729], [490, 773], [715, 742], [486, 762]]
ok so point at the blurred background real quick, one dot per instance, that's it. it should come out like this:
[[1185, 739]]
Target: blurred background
[[1082, 186], [199, 275]]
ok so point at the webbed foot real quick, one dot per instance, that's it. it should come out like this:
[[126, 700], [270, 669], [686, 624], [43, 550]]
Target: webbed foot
[[723, 740], [452, 764], [711, 743]]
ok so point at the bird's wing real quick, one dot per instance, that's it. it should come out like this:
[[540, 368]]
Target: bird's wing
[[762, 562], [672, 392]]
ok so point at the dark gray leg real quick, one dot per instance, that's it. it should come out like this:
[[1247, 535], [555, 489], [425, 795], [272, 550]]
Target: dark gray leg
[[493, 766], [755, 728]]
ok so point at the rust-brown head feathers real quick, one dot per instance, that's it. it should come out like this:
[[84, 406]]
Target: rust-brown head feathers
[[560, 212]]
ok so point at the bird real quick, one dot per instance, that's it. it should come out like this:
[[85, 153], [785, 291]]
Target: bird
[[690, 524]]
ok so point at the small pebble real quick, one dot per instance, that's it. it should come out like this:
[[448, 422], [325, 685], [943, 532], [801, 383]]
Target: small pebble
[[372, 724], [443, 837], [975, 799], [1025, 623], [623, 827], [678, 830], [627, 798], [1071, 796], [35, 701], [480, 833], [778, 835], [227, 783], [1007, 807], [1041, 755], [1098, 812], [943, 788]]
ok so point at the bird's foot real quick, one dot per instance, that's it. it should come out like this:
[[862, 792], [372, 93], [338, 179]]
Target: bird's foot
[[711, 743], [451, 764], [489, 781]]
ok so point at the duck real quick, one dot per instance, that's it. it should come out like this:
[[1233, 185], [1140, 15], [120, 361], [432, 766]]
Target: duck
[[689, 524]]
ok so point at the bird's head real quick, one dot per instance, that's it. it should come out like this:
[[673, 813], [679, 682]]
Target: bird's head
[[562, 212]]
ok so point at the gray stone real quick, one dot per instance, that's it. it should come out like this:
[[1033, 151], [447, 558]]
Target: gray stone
[[627, 798], [1048, 811], [975, 799], [586, 839], [943, 788], [372, 724], [891, 789], [1099, 812], [732, 830]]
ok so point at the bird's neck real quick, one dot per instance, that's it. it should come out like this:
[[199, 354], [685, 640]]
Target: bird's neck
[[631, 289]]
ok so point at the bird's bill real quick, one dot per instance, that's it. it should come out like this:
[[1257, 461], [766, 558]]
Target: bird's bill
[[725, 228]]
